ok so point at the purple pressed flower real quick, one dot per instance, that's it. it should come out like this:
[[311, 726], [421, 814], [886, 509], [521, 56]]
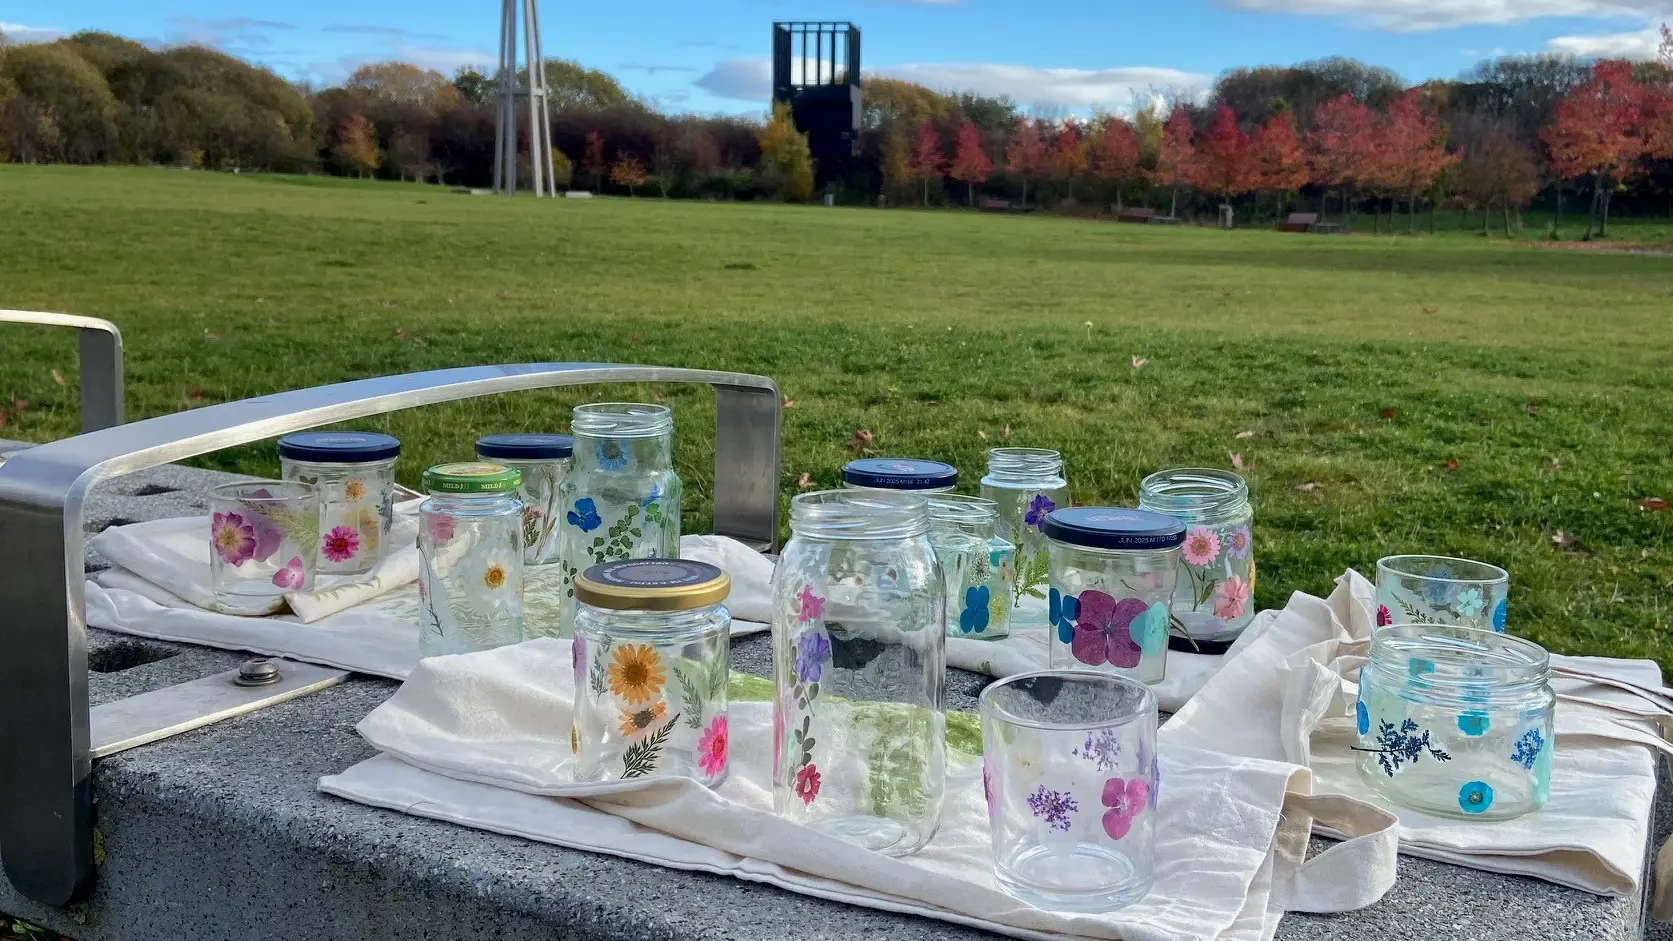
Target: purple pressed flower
[[1037, 510], [1101, 749], [1054, 807], [812, 650]]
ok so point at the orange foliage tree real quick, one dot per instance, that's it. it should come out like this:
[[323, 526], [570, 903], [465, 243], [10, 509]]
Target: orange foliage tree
[[1115, 156], [628, 171], [1596, 131], [1175, 155], [971, 164], [1275, 157], [1412, 149], [1025, 154]]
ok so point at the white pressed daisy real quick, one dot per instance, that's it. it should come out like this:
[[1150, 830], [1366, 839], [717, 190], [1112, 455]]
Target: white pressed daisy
[[491, 578]]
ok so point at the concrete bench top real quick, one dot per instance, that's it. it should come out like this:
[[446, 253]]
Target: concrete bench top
[[220, 833]]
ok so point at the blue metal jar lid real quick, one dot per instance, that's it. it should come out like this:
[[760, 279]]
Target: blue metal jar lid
[[525, 447], [899, 473], [339, 447], [1106, 527]]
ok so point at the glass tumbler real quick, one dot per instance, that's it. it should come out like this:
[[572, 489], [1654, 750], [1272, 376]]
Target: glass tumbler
[[1214, 599], [263, 536], [1436, 589], [1070, 774], [544, 461], [1112, 581], [1456, 721], [470, 552], [976, 563], [900, 473], [1028, 484], [859, 666], [355, 474]]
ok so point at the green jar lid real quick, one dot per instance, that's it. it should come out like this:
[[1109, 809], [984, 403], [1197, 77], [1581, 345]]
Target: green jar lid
[[472, 477]]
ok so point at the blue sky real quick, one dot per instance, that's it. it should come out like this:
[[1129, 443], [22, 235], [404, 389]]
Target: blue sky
[[712, 55]]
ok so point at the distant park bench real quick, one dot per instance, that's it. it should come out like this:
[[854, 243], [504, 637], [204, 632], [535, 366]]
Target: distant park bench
[[1309, 222], [1144, 215], [995, 204]]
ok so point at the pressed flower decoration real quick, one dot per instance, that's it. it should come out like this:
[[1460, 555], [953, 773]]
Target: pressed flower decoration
[[807, 657], [1473, 723], [1231, 597], [1101, 749], [1500, 611], [1470, 602], [1202, 547], [636, 673], [1038, 509], [974, 618], [233, 537], [1475, 797], [290, 577], [1384, 618], [1062, 610], [810, 607], [340, 544], [354, 490], [1125, 800], [1362, 717], [807, 783], [712, 748], [1527, 749], [1400, 745], [1056, 808], [1119, 633], [611, 454], [636, 722], [585, 515]]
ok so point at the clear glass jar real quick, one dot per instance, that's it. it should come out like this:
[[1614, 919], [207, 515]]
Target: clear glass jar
[[1438, 589], [354, 472], [900, 473], [1215, 597], [1456, 721], [1112, 579], [650, 652], [544, 461], [859, 640], [976, 564], [1027, 483], [470, 550], [621, 498]]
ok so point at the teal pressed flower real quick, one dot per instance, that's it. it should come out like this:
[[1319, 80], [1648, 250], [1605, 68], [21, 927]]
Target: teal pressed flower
[[1475, 797], [1500, 611], [1062, 611], [1417, 667], [1473, 723], [974, 618], [1363, 716]]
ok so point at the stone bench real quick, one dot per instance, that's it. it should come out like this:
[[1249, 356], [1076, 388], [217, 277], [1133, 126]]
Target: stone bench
[[220, 833]]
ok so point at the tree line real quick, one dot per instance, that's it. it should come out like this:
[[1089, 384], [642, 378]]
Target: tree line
[[1328, 134]]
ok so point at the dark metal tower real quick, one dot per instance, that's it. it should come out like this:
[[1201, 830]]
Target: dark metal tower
[[816, 69]]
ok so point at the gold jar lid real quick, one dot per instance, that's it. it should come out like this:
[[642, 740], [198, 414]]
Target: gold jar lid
[[653, 585]]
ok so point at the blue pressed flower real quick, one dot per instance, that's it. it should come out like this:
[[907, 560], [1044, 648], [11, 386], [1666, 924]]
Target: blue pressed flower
[[974, 618], [655, 495], [1437, 589], [1500, 612], [1063, 611], [1150, 630], [611, 455], [1054, 607], [1527, 749], [1475, 797], [1417, 666], [585, 515], [1363, 715], [1473, 723]]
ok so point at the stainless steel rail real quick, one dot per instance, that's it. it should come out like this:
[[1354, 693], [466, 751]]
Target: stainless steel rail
[[46, 813], [101, 363]]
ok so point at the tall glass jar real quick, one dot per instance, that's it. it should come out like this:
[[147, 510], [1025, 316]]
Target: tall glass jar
[[544, 461], [900, 473], [976, 564], [650, 653], [859, 666], [1214, 599], [1456, 721], [470, 549], [621, 499], [354, 472], [1027, 483], [1112, 578]]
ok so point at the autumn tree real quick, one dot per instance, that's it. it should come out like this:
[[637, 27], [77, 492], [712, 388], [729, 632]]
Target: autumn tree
[[1025, 154], [1115, 156], [896, 160], [1497, 169], [927, 161], [786, 162], [409, 152], [592, 158], [357, 143], [1412, 149], [1275, 157], [1175, 155], [971, 164], [628, 171], [1596, 131], [1068, 160], [563, 171], [1221, 161], [1338, 145]]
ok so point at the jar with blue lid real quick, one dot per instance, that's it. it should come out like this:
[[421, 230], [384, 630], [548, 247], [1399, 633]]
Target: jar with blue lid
[[1028, 484], [544, 462], [1456, 721], [1214, 599], [1112, 579], [651, 647], [976, 564], [354, 473], [470, 551], [900, 473]]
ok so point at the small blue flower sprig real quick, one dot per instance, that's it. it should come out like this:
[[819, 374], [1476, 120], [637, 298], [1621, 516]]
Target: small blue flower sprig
[[1398, 746]]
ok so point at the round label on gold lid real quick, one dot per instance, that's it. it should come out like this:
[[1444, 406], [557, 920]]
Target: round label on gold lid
[[653, 585]]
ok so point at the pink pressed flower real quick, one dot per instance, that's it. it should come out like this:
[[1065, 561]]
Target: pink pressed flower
[[1231, 597], [290, 577], [232, 537], [440, 527], [1101, 630], [1125, 800], [807, 783], [341, 543], [1384, 618], [268, 536], [1202, 546], [712, 748], [813, 606]]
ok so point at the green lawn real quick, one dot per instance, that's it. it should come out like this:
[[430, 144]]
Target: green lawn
[[1366, 366]]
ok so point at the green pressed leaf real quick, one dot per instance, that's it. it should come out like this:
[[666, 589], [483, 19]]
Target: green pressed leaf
[[640, 758]]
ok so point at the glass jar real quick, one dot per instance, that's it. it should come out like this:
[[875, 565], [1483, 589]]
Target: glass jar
[[976, 564], [859, 643], [1214, 599], [1027, 483], [1438, 589], [650, 654], [354, 472], [543, 460], [263, 535], [621, 498], [900, 473], [1456, 721], [470, 550], [1112, 579]]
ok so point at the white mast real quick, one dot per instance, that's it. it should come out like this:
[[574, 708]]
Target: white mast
[[534, 90]]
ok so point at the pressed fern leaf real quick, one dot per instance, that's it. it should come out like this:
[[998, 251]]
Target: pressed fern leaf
[[640, 758]]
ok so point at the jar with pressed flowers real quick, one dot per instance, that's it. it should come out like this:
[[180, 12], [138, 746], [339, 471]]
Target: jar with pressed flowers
[[1027, 484], [354, 472], [1456, 721], [650, 653], [544, 461], [1214, 599], [621, 498], [1112, 579], [470, 548], [976, 563], [900, 473], [859, 665]]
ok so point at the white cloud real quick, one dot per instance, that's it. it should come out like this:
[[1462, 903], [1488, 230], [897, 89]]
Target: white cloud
[[230, 34], [1074, 89], [17, 32], [1419, 15], [1637, 44]]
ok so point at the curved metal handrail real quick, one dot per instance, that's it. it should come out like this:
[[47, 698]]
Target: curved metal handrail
[[46, 835], [101, 363]]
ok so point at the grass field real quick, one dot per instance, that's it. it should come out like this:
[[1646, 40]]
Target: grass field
[[1456, 395]]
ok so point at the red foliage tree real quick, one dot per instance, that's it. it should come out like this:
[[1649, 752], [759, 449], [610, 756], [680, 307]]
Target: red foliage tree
[[970, 162], [1275, 156], [1338, 145], [1175, 154], [1597, 131], [1025, 154], [1222, 163], [927, 160], [1411, 149], [592, 158], [1068, 158], [1115, 156]]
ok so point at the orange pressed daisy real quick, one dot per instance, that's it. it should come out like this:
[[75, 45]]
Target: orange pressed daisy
[[354, 490], [636, 673], [636, 722]]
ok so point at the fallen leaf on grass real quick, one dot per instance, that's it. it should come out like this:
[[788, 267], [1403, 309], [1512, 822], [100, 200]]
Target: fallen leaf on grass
[[1237, 460], [1138, 361], [57, 377], [1531, 408], [1006, 433], [1428, 309], [1561, 539], [981, 434], [860, 440], [786, 403], [1551, 465], [633, 339], [210, 334], [1308, 487], [1654, 504], [1244, 434], [1451, 464], [1388, 414], [804, 482]]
